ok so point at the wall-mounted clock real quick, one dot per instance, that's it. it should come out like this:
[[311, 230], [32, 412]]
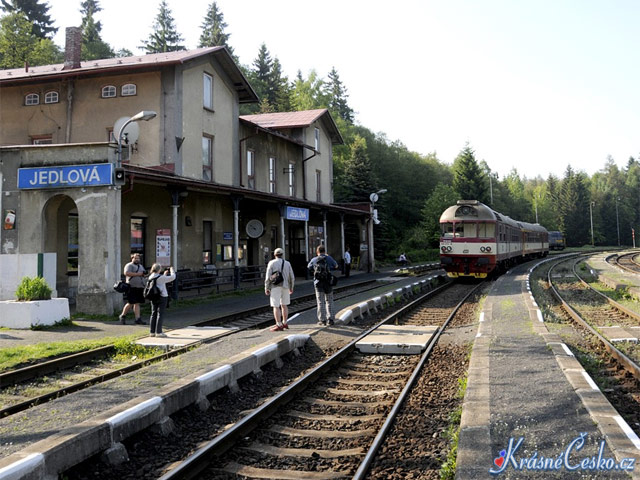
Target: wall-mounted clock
[[254, 228]]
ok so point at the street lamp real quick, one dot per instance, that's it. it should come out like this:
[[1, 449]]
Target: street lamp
[[617, 220], [591, 204], [536, 197], [373, 219], [144, 115]]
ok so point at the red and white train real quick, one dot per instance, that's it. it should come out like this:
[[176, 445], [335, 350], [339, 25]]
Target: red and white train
[[475, 240]]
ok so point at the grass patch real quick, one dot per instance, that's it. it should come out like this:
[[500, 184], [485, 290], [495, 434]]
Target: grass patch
[[17, 357], [65, 322], [448, 469]]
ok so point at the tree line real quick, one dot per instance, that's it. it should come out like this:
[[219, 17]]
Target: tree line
[[419, 187]]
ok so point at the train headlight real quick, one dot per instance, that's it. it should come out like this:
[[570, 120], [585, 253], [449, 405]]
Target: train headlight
[[448, 248], [482, 249], [488, 249], [443, 248]]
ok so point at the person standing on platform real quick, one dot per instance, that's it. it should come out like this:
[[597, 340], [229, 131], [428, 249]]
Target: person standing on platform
[[134, 273], [347, 263], [321, 266], [159, 304], [278, 285]]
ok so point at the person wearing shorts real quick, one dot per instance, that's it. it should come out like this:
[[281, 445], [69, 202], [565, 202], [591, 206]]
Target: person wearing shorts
[[279, 295], [134, 272]]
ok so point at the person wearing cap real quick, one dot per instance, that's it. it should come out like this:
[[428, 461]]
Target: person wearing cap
[[279, 295]]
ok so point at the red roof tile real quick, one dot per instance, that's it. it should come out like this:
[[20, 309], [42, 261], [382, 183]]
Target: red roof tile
[[285, 119]]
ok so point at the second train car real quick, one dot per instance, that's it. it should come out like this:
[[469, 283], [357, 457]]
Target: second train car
[[475, 240]]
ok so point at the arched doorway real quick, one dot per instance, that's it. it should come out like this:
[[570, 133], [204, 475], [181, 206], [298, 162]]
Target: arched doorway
[[60, 235]]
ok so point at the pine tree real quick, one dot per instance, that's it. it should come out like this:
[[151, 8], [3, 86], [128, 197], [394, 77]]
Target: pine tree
[[308, 94], [574, 209], [359, 179], [93, 47], [337, 95], [36, 13], [468, 180], [165, 37], [18, 45], [213, 34]]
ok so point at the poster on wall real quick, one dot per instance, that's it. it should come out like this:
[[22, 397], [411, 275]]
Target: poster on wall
[[163, 247], [9, 219]]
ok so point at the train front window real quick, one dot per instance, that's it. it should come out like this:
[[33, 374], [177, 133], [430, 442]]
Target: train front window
[[447, 229], [486, 230], [470, 230]]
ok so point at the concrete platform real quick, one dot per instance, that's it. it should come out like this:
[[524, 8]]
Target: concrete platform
[[525, 387], [621, 334], [183, 337], [397, 340]]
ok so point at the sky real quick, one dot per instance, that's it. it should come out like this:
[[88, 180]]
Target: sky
[[531, 85]]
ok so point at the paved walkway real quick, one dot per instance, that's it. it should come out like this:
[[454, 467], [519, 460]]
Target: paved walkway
[[526, 386], [175, 317]]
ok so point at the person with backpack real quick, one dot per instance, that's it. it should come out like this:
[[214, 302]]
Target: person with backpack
[[134, 273], [323, 281], [156, 292], [278, 285]]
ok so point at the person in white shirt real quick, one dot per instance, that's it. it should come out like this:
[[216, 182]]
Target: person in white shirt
[[280, 294], [158, 305], [347, 263]]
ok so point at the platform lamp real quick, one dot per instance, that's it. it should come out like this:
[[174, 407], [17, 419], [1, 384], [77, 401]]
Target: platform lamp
[[144, 115], [617, 220], [591, 204], [373, 219]]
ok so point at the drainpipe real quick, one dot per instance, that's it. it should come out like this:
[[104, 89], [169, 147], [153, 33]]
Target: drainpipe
[[70, 88], [304, 174], [130, 188]]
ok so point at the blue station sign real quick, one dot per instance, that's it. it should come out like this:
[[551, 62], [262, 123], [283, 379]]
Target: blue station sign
[[66, 176], [294, 213]]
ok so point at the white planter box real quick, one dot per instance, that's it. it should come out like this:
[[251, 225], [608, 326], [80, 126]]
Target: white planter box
[[14, 314]]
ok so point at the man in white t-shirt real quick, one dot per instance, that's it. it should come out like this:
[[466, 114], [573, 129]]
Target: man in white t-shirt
[[279, 294], [347, 263]]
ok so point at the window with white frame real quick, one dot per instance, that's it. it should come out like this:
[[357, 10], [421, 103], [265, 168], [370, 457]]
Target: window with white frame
[[128, 89], [108, 91], [32, 99], [207, 92], [317, 139], [51, 97], [272, 175], [318, 186], [251, 169], [207, 158], [292, 179]]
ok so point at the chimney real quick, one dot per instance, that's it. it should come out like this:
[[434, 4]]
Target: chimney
[[72, 48]]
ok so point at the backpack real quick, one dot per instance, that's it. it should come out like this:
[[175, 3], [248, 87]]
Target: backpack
[[321, 271], [151, 290], [276, 278]]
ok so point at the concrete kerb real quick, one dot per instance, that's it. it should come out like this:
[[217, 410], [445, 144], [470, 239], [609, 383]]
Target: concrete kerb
[[353, 312], [51, 456]]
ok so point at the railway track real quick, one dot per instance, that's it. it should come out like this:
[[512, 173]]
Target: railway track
[[610, 364], [627, 261], [36, 384], [599, 315], [331, 422]]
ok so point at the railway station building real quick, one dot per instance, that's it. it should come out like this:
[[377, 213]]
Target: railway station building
[[197, 185]]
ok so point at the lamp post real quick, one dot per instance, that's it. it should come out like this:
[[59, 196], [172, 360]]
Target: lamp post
[[373, 219], [617, 220], [591, 204], [144, 115], [536, 197]]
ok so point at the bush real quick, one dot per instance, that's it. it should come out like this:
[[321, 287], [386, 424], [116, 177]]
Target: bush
[[33, 289]]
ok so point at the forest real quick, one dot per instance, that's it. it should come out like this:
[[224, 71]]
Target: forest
[[419, 187]]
